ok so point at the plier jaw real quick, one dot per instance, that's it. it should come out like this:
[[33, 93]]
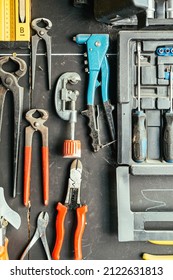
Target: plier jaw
[[72, 202], [97, 46], [42, 222]]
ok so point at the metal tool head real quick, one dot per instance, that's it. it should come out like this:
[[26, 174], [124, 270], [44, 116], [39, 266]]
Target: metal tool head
[[7, 213], [35, 122], [41, 31], [97, 46], [73, 193], [76, 170], [64, 96], [10, 79], [42, 221]]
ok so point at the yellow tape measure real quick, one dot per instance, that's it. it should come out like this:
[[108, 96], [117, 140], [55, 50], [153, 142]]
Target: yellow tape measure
[[2, 23], [11, 27]]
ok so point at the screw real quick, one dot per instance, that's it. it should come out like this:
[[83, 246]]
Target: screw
[[36, 124], [41, 32], [8, 81], [97, 44]]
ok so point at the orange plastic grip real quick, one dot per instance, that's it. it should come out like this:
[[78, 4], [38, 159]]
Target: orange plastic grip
[[60, 231], [45, 167], [81, 223], [27, 174], [3, 251], [72, 149]]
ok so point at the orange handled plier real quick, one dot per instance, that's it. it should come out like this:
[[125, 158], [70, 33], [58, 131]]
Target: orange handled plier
[[36, 124], [72, 201]]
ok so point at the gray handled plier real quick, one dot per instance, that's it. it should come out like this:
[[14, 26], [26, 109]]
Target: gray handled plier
[[10, 84], [41, 34]]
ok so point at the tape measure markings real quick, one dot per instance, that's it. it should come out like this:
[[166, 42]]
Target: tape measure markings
[[11, 29]]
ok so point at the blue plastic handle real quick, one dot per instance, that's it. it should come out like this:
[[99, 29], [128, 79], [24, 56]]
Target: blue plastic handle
[[97, 46]]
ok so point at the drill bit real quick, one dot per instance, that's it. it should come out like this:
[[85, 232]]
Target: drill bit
[[22, 10]]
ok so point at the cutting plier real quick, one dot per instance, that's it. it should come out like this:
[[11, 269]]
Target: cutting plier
[[41, 34], [97, 63], [72, 202], [36, 124], [10, 85], [42, 222]]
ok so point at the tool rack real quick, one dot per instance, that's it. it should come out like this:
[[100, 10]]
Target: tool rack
[[135, 190]]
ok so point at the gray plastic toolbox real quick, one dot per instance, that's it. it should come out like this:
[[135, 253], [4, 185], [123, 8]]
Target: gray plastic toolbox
[[153, 222], [134, 12]]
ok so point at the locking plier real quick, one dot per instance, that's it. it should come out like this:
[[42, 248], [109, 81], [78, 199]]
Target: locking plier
[[72, 202], [97, 46], [9, 83]]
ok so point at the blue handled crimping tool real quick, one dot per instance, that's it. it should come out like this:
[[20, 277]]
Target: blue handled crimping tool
[[97, 46]]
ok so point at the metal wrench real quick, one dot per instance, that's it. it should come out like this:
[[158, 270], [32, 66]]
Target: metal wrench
[[40, 232], [9, 83]]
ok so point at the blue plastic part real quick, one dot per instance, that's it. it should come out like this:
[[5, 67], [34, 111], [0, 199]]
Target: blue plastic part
[[165, 51], [97, 46], [167, 75]]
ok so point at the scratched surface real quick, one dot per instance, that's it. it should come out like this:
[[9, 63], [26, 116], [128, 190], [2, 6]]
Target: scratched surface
[[98, 179]]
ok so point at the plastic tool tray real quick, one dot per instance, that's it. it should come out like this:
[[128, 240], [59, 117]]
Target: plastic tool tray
[[151, 217]]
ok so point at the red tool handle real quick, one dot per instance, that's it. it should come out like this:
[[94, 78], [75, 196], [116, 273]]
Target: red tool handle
[[60, 230], [81, 223], [27, 174], [45, 167], [4, 251]]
